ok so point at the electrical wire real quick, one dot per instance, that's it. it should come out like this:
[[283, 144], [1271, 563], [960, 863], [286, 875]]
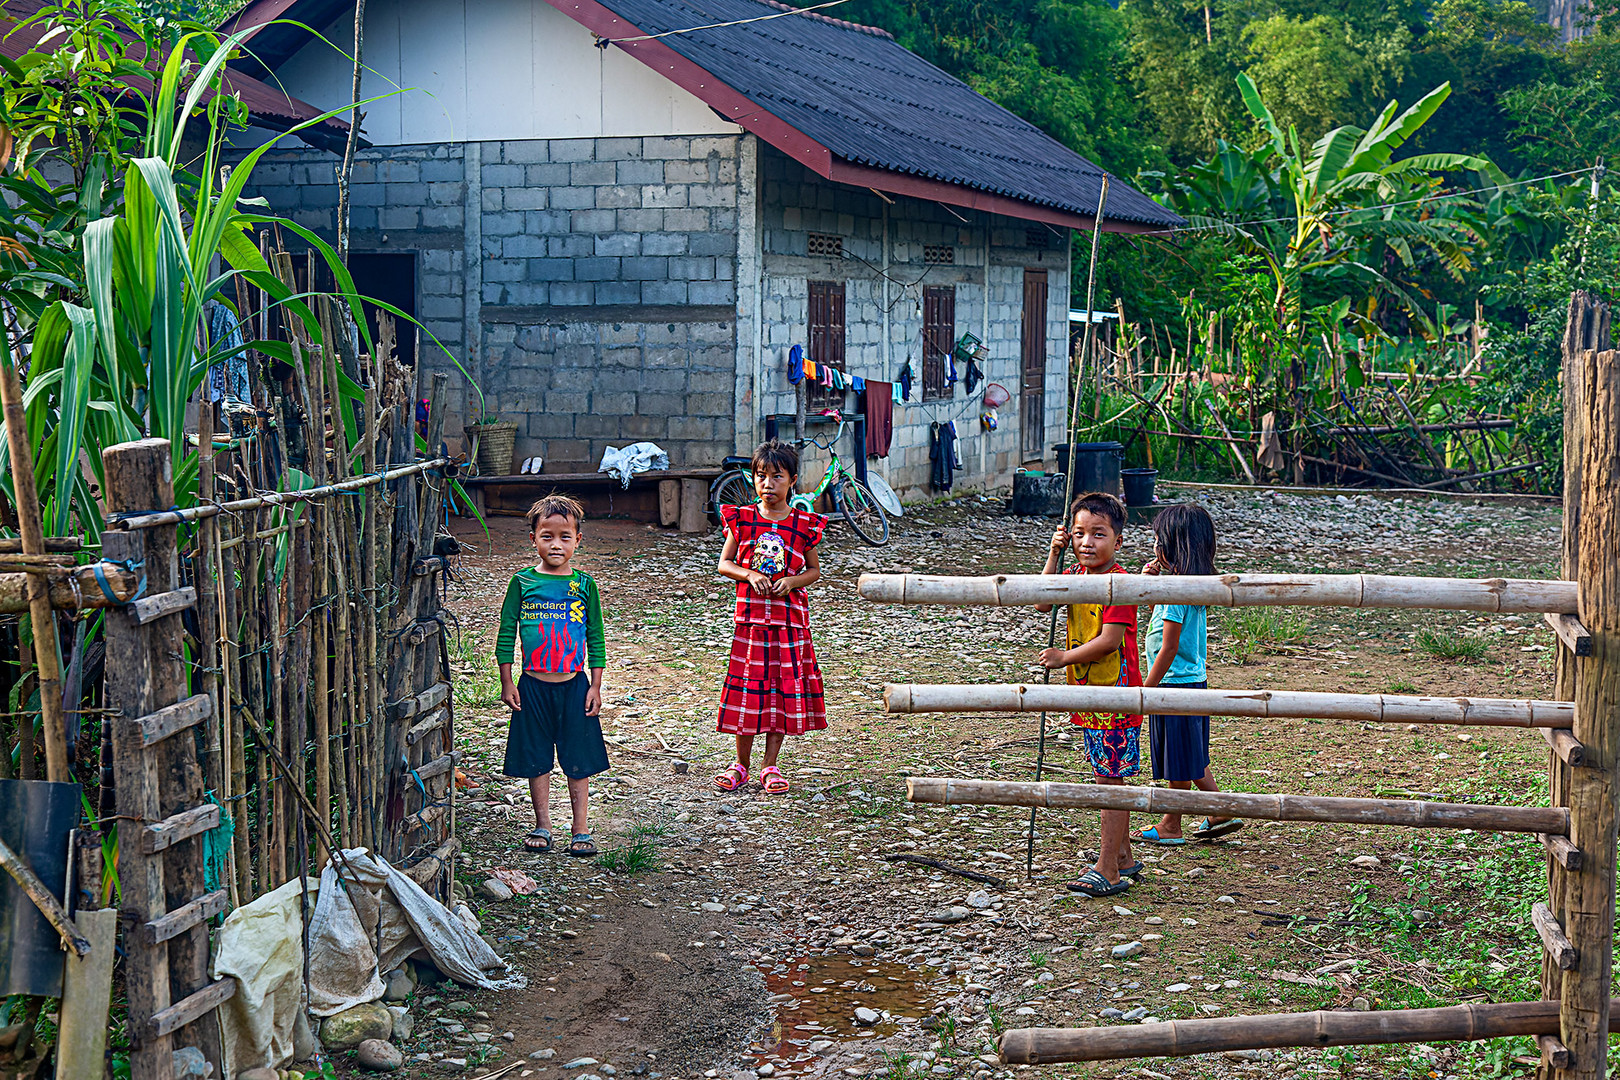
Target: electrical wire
[[604, 42]]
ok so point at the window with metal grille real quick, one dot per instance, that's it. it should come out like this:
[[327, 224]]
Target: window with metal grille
[[826, 339], [825, 244], [939, 254], [939, 338], [1038, 237]]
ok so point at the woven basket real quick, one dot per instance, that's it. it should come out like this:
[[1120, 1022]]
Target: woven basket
[[495, 443]]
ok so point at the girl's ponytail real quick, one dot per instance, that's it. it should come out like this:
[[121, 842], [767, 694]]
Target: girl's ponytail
[[1186, 538]]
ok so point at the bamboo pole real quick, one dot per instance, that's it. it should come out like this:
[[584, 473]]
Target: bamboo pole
[[1181, 1038], [41, 611], [1179, 701], [1271, 807], [72, 590], [1500, 595], [1589, 896], [274, 498]]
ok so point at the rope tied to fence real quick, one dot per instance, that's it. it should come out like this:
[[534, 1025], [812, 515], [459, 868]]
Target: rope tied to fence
[[131, 566]]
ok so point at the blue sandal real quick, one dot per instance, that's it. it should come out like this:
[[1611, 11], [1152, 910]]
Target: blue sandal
[[1095, 885], [1151, 836], [1133, 871], [582, 846]]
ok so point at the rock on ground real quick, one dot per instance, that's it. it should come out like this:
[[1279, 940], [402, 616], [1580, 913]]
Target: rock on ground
[[355, 1025]]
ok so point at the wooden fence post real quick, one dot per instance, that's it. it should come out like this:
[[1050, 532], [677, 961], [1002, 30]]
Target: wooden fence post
[[1588, 899], [1587, 329], [161, 815]]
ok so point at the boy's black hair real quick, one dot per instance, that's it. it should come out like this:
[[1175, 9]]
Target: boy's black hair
[[778, 453], [1103, 505], [556, 505], [1186, 537]]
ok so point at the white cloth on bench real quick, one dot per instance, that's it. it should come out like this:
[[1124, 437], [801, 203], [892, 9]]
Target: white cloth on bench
[[635, 458]]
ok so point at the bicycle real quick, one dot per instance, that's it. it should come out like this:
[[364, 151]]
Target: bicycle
[[852, 499]]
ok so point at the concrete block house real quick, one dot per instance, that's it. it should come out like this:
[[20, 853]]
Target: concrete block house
[[622, 218]]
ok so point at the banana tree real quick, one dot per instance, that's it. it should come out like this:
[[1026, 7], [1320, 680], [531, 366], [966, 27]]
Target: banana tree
[[1345, 199]]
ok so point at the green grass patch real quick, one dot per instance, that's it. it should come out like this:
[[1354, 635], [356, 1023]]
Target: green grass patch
[[637, 857], [1252, 629], [478, 680], [1444, 645]]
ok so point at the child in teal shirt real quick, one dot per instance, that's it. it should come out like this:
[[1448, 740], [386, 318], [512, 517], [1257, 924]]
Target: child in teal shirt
[[553, 615], [1177, 647]]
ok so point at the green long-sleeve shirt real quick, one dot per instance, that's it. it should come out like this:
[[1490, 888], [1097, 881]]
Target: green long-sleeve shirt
[[557, 619]]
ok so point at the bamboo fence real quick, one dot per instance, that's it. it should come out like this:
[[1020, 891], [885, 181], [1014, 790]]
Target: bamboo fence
[[1578, 830]]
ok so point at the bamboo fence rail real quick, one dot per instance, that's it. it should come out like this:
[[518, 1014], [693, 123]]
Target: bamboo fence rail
[[1501, 595], [1177, 701], [948, 791]]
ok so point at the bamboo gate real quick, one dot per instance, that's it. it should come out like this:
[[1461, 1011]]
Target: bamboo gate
[[1575, 925], [277, 685]]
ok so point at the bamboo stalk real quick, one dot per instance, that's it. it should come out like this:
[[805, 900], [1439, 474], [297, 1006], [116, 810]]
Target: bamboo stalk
[[1181, 1038], [1271, 807], [1178, 701], [41, 611], [274, 498], [1229, 590], [207, 597]]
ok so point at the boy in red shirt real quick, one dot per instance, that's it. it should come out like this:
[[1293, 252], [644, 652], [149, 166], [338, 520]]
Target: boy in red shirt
[[1101, 651]]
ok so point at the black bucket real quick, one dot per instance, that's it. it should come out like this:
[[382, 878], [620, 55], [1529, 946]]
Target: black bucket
[[1096, 465], [1138, 486]]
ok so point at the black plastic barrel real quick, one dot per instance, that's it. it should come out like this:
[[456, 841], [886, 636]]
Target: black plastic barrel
[[1138, 485], [1096, 465]]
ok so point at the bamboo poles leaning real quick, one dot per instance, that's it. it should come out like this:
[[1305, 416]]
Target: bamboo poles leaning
[[948, 791], [1179, 701], [1500, 595]]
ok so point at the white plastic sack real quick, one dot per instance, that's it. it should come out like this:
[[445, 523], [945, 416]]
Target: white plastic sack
[[632, 459], [375, 920], [261, 947]]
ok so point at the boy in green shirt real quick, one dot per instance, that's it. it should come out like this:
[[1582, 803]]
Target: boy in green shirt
[[554, 613]]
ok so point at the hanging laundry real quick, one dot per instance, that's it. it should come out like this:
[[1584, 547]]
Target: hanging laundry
[[950, 374], [811, 371], [894, 390], [857, 384], [942, 455], [905, 381], [228, 378], [956, 446], [796, 365], [835, 377], [878, 405], [974, 376]]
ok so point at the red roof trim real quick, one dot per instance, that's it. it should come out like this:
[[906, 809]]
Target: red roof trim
[[923, 187], [740, 110]]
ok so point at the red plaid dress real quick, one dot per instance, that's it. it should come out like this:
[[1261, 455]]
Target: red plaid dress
[[773, 683]]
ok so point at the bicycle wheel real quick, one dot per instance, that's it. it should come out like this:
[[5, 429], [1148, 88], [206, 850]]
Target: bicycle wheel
[[731, 488], [862, 511]]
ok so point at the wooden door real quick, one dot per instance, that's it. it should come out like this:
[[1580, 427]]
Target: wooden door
[[1032, 382]]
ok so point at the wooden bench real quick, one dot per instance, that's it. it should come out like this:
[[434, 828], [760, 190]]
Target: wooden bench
[[677, 497]]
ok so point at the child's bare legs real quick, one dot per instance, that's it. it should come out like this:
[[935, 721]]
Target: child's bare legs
[[1114, 852], [1169, 826], [773, 747], [578, 796]]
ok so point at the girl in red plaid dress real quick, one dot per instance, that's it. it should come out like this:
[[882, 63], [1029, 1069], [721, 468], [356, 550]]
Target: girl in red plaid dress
[[773, 686]]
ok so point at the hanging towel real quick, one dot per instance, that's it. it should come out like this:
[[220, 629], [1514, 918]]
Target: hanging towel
[[956, 449], [905, 381], [942, 456], [835, 377], [796, 364], [894, 390], [857, 384], [812, 371], [878, 405]]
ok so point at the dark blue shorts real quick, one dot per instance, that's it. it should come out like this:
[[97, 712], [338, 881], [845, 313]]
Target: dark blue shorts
[[552, 728], [1179, 745]]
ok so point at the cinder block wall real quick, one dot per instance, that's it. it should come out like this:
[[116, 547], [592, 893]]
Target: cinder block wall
[[601, 307], [796, 203]]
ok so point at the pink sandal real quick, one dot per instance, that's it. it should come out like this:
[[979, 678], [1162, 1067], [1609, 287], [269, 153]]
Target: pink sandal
[[773, 781], [733, 778]]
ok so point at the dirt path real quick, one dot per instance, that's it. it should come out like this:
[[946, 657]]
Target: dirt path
[[740, 934]]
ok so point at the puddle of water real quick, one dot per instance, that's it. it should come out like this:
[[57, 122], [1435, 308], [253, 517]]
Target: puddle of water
[[826, 991]]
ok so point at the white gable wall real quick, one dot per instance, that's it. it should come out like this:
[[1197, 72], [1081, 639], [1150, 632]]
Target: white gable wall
[[484, 70]]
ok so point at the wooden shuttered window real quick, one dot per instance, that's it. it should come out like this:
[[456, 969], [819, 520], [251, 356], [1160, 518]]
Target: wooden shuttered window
[[1032, 382], [826, 339], [939, 338]]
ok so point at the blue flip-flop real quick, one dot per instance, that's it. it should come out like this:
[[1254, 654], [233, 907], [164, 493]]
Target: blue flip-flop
[[1152, 836], [1133, 871]]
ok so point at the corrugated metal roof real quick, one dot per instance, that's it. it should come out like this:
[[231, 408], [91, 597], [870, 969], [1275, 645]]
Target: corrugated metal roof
[[872, 102]]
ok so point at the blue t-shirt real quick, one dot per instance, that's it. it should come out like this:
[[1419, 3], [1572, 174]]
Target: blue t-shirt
[[1189, 664]]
